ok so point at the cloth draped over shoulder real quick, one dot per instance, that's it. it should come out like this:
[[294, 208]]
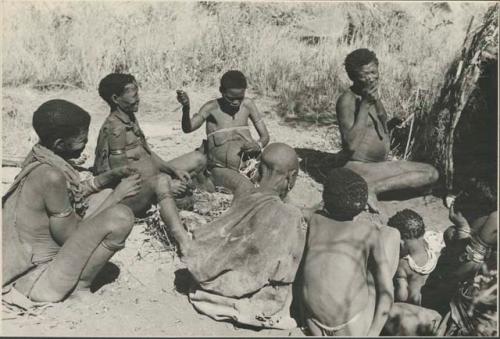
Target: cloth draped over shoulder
[[16, 255], [245, 262]]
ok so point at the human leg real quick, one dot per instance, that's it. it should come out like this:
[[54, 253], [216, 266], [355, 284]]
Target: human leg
[[231, 179], [84, 253], [192, 162], [393, 175], [391, 240], [168, 211]]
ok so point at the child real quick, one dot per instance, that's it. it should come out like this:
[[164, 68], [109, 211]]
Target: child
[[349, 263], [418, 258], [48, 250], [122, 142], [229, 141], [365, 135]]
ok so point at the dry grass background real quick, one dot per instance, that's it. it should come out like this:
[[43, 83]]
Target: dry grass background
[[292, 52]]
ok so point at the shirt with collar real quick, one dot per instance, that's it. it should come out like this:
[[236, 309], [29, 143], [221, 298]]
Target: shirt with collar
[[120, 131]]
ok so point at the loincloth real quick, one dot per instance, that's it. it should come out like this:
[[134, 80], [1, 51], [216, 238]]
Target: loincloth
[[331, 331], [217, 157]]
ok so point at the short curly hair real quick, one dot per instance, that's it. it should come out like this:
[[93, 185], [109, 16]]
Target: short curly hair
[[358, 58], [233, 79], [114, 83], [345, 194], [409, 224], [59, 118]]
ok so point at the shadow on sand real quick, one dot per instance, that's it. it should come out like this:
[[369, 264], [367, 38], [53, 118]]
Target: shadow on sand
[[317, 164]]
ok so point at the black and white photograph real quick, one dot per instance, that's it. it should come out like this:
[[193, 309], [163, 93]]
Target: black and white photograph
[[249, 168]]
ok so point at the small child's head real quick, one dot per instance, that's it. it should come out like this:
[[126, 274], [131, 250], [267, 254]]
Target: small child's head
[[345, 194], [120, 91], [478, 199], [361, 66], [409, 224], [62, 127], [232, 87]]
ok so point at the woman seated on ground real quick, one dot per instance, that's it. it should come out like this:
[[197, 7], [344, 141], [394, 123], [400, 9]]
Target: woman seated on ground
[[55, 240]]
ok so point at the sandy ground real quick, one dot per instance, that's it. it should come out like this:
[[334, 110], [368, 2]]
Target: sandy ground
[[140, 297]]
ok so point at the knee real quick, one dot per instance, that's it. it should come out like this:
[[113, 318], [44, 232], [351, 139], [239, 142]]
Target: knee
[[120, 221], [433, 174], [163, 187], [200, 161]]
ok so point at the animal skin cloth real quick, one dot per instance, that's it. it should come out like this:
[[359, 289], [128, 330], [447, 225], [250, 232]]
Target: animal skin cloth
[[245, 262]]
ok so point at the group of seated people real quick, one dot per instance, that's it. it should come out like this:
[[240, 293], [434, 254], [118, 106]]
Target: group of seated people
[[265, 262]]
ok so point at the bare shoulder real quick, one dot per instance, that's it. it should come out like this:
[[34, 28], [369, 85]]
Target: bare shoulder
[[209, 106], [346, 99], [49, 176], [248, 102]]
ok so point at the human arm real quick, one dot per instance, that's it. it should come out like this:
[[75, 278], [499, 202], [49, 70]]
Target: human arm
[[462, 227], [191, 124], [400, 286], [63, 220], [116, 142], [489, 231], [258, 121], [112, 176], [168, 169], [352, 125], [128, 187], [383, 285]]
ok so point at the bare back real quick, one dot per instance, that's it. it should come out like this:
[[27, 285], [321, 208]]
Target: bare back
[[31, 218], [335, 269]]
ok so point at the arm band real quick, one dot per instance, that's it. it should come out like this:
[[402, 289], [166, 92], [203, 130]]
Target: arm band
[[63, 214], [117, 152]]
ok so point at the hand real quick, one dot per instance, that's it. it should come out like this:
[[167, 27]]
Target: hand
[[128, 187], [180, 174], [114, 175], [458, 219], [371, 93], [123, 171], [182, 97], [251, 147]]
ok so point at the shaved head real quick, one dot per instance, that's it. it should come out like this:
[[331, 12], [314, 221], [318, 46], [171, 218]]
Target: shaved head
[[280, 157]]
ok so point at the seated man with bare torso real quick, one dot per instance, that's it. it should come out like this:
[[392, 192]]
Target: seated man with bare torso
[[349, 263], [229, 141], [55, 237], [365, 138], [121, 142]]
